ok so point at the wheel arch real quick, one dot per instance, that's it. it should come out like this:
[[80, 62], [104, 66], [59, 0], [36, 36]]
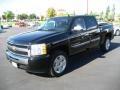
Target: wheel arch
[[63, 48]]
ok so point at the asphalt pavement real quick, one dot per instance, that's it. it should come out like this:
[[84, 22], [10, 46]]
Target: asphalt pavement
[[90, 70]]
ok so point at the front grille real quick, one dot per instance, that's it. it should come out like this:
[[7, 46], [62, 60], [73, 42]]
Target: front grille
[[18, 49]]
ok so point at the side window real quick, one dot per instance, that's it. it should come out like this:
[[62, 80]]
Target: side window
[[90, 23], [78, 24]]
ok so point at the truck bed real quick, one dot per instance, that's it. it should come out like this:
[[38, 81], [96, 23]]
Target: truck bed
[[105, 25]]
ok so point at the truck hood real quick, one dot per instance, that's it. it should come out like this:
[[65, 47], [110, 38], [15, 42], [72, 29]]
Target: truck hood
[[31, 37]]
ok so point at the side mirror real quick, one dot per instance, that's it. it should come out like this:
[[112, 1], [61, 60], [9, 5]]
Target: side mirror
[[77, 28]]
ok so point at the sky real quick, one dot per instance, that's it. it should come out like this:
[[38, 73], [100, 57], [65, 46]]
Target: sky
[[39, 7]]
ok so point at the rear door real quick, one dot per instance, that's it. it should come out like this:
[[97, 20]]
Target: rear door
[[79, 40], [92, 30]]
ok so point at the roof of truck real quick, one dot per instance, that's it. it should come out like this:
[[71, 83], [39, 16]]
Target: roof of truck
[[73, 16]]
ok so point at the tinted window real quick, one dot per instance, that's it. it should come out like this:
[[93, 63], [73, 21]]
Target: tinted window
[[90, 23], [78, 24], [55, 24]]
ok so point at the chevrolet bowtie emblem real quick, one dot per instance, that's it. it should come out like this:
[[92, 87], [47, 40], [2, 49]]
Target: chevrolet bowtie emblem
[[14, 48]]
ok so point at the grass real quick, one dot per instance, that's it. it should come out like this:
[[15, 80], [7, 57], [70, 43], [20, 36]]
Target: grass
[[7, 23], [40, 22]]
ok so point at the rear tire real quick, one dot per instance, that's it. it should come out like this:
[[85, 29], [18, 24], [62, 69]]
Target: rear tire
[[105, 47], [58, 64]]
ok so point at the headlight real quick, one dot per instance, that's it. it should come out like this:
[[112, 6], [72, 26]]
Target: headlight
[[38, 49]]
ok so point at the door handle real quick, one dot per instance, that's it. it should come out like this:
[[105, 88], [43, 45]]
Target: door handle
[[87, 34]]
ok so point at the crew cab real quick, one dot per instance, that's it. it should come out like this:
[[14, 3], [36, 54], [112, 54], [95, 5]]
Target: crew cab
[[47, 49]]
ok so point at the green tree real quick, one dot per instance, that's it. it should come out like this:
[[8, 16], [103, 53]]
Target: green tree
[[37, 17], [4, 17], [93, 13], [22, 16], [107, 14], [32, 16], [51, 12], [63, 14], [19, 16], [42, 18], [112, 16], [101, 16], [9, 15], [118, 17]]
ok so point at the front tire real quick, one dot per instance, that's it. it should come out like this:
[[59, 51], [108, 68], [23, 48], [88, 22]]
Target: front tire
[[58, 64], [106, 45]]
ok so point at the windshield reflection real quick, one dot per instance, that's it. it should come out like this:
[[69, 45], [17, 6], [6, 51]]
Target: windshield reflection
[[57, 24]]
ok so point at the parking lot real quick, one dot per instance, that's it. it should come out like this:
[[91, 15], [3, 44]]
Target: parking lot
[[90, 70]]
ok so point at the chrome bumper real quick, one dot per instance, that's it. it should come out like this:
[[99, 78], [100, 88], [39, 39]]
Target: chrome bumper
[[20, 59]]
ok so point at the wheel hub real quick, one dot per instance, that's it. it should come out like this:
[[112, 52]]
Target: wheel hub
[[59, 64], [107, 44]]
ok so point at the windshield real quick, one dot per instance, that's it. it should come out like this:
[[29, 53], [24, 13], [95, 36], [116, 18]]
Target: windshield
[[57, 24]]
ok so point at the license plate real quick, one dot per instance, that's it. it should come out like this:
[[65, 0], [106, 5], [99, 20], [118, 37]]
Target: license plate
[[14, 64]]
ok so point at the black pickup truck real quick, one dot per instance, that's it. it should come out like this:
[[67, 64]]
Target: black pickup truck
[[47, 49]]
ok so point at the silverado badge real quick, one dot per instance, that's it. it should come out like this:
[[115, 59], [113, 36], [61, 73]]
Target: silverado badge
[[14, 48]]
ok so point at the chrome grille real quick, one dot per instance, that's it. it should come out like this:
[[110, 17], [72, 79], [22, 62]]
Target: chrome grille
[[18, 49]]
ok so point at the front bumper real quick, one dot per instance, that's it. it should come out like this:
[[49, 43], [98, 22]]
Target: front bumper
[[34, 64], [17, 58]]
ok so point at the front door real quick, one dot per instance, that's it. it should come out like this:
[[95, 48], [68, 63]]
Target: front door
[[79, 39]]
